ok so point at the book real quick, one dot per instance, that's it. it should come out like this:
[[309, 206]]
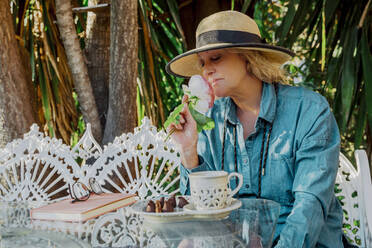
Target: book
[[81, 211]]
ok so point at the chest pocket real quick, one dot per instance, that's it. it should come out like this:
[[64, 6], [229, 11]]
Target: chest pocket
[[280, 177]]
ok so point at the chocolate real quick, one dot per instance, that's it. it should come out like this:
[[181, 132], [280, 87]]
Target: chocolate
[[158, 207], [182, 202], [162, 201], [168, 206], [150, 207], [172, 200]]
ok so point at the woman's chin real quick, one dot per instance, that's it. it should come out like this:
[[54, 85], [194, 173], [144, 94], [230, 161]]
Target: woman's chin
[[219, 94]]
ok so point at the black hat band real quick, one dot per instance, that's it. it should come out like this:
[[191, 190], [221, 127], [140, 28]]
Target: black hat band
[[226, 36]]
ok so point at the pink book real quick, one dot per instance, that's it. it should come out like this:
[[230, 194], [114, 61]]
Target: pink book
[[79, 211]]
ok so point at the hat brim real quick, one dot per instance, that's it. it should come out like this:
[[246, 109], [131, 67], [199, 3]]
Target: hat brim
[[187, 64]]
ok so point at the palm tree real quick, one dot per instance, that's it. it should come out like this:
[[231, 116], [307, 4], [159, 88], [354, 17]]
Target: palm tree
[[122, 110], [17, 110], [77, 66], [35, 28]]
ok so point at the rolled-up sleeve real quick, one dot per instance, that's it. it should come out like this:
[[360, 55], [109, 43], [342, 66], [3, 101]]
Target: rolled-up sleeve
[[316, 164], [205, 162]]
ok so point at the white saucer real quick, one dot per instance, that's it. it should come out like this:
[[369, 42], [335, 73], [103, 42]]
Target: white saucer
[[213, 213]]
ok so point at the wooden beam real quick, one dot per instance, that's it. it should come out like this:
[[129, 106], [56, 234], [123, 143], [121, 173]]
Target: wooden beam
[[94, 8]]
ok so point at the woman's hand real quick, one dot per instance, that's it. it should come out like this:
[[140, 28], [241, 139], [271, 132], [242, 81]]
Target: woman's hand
[[186, 136], [185, 133]]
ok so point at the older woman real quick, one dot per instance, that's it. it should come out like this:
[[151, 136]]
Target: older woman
[[284, 140]]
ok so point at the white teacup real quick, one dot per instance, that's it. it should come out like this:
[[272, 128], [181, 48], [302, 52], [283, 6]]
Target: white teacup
[[211, 189]]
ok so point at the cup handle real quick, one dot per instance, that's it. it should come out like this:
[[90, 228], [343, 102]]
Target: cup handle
[[240, 184]]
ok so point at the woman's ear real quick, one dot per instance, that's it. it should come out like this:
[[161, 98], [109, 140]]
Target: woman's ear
[[248, 66]]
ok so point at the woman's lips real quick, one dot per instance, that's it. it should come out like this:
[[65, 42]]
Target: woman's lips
[[215, 81]]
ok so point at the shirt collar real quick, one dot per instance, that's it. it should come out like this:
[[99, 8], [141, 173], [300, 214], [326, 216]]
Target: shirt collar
[[267, 105]]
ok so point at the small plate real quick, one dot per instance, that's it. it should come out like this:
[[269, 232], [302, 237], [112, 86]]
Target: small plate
[[213, 213], [177, 216], [187, 213]]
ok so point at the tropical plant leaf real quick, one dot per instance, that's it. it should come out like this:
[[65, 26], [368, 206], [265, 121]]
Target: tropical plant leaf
[[245, 5], [173, 8], [330, 7], [288, 20], [360, 125], [367, 72], [324, 38], [348, 77]]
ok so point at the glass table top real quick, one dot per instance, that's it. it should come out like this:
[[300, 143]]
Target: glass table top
[[252, 225], [25, 237]]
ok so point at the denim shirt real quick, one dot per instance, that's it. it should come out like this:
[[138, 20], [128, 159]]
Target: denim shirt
[[301, 165]]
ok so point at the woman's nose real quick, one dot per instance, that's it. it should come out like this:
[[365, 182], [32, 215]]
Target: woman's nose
[[208, 70]]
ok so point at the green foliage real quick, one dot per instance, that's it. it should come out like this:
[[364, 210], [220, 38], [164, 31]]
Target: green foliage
[[332, 46], [160, 39], [367, 74], [331, 38]]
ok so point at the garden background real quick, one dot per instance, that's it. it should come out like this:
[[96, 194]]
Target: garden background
[[63, 64]]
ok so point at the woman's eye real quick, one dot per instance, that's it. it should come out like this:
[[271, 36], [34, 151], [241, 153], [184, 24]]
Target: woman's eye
[[212, 59], [215, 58]]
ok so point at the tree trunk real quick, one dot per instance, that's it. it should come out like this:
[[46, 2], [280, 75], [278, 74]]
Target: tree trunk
[[77, 66], [16, 112], [122, 110], [97, 52]]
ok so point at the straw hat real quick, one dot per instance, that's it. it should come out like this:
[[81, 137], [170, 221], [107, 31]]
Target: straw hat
[[225, 29]]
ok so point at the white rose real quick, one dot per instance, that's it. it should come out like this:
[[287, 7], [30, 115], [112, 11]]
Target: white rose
[[203, 91], [199, 87], [202, 106]]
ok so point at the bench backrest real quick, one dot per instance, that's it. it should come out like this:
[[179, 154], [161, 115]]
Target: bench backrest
[[351, 190]]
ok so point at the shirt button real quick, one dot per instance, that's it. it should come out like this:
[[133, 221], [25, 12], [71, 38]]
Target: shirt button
[[247, 186]]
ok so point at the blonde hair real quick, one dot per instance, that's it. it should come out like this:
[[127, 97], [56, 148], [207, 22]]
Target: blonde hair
[[263, 65]]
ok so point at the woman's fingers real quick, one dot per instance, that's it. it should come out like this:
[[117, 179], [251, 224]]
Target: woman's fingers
[[185, 117], [170, 127], [182, 120], [179, 127], [185, 98], [186, 114]]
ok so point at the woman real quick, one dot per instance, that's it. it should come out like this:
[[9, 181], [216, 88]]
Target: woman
[[284, 140]]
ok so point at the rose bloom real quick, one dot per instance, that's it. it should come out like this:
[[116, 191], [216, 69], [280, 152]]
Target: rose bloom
[[202, 89]]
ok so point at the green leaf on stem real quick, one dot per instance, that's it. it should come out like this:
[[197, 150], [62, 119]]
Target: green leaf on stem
[[202, 121], [174, 117]]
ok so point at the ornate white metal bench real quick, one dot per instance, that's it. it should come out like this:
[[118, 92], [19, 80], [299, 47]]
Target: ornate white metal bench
[[354, 190], [38, 169]]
